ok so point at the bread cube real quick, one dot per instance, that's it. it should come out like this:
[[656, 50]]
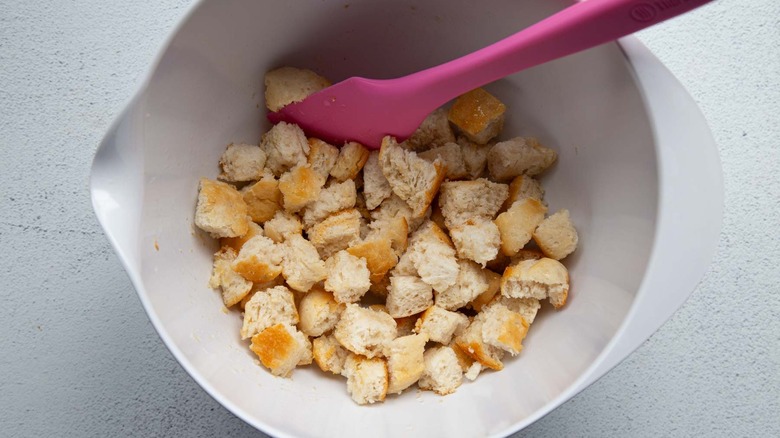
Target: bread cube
[[283, 225], [334, 198], [328, 354], [322, 158], [302, 267], [469, 285], [367, 379], [337, 232], [408, 295], [259, 260], [285, 146], [442, 373], [538, 279], [379, 254], [221, 211], [365, 331], [234, 287], [523, 186], [517, 224], [237, 242], [433, 257], [267, 308], [441, 325], [405, 362], [280, 348], [352, 157], [300, 187], [526, 307], [494, 287], [503, 328], [474, 157], [287, 85], [478, 115], [518, 156], [472, 344], [464, 200], [433, 132], [412, 178], [263, 199], [556, 235], [477, 240], [242, 162], [348, 277], [376, 188], [451, 155], [395, 229], [260, 287], [393, 207], [318, 312]]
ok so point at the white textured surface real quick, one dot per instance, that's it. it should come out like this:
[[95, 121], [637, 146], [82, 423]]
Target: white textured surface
[[79, 357]]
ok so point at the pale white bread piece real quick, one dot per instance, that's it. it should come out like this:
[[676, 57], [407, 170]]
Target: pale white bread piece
[[523, 186], [263, 199], [283, 225], [285, 146], [281, 348], [556, 235], [393, 207], [451, 155], [527, 307], [538, 279], [518, 156], [337, 232], [379, 254], [234, 287], [300, 187], [405, 266], [365, 331], [260, 287], [464, 200], [442, 373], [478, 115], [266, 308], [433, 256], [322, 158], [441, 325], [318, 312], [242, 162], [477, 240], [473, 371], [286, 85], [472, 344], [405, 362], [348, 277], [302, 267], [395, 229], [412, 178], [494, 287], [259, 260], [434, 131], [308, 356], [352, 158], [376, 188], [328, 354], [471, 282], [408, 295], [335, 197], [367, 379], [237, 242], [474, 157], [503, 328], [221, 210], [517, 224]]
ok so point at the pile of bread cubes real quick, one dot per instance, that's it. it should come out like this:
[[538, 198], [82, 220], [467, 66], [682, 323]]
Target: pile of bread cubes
[[422, 262]]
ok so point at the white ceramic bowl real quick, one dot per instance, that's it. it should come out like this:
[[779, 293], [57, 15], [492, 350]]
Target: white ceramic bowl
[[638, 170]]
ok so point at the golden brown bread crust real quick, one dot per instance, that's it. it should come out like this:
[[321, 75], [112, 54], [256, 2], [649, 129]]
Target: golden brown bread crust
[[299, 187], [256, 270], [352, 158], [237, 242], [221, 202], [494, 286], [379, 256], [263, 200], [478, 114], [273, 346]]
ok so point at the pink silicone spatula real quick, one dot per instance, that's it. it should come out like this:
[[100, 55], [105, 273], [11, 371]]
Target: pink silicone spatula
[[365, 110]]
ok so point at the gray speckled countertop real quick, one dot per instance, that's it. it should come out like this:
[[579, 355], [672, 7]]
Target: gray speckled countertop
[[80, 358]]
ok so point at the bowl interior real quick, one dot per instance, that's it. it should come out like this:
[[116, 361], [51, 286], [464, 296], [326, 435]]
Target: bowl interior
[[207, 92]]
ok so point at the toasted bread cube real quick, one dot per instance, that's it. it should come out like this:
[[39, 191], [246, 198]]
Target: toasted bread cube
[[441, 325], [237, 242], [221, 211], [478, 115], [285, 146], [518, 156], [405, 362], [376, 188], [471, 282], [539, 279], [433, 257], [302, 267], [234, 286], [494, 287], [471, 343], [395, 229], [393, 207], [282, 226], [352, 158], [300, 187], [337, 232], [464, 360], [451, 156], [412, 178], [407, 296], [322, 158], [503, 328], [259, 260], [556, 235], [523, 186], [365, 331], [348, 277], [367, 379], [526, 307], [464, 200], [442, 373], [287, 85], [433, 132], [474, 157], [260, 287], [280, 348], [267, 308], [319, 312], [242, 162], [517, 224], [328, 354], [263, 199], [334, 198], [477, 240], [379, 255]]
